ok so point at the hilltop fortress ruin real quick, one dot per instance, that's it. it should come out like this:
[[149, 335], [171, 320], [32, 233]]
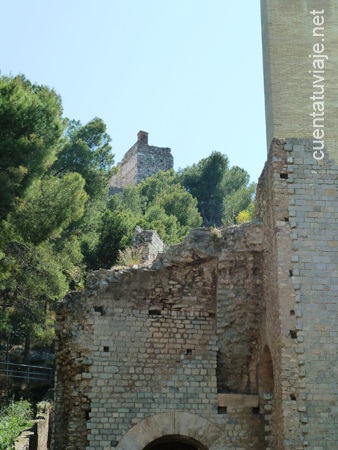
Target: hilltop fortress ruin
[[140, 162], [227, 341]]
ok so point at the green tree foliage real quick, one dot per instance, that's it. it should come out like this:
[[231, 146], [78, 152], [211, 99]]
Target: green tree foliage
[[14, 418], [49, 206], [116, 233], [222, 192], [87, 151], [31, 127], [158, 203], [237, 201], [39, 258]]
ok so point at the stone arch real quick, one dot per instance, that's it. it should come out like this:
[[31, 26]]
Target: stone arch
[[195, 431], [266, 377]]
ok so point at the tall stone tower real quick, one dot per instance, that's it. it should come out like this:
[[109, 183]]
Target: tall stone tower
[[300, 51]]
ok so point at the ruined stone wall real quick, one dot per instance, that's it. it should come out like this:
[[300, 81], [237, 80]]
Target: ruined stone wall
[[151, 160], [229, 338], [278, 384], [127, 171], [148, 244], [239, 306], [144, 343]]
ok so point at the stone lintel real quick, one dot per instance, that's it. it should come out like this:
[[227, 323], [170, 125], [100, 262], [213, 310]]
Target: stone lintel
[[249, 400]]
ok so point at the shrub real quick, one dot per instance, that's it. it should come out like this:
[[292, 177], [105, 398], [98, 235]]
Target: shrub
[[129, 257], [14, 418]]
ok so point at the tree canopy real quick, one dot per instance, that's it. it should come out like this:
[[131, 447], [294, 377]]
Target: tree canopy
[[221, 191], [42, 199], [31, 128]]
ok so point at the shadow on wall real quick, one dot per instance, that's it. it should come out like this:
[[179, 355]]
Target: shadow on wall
[[266, 382]]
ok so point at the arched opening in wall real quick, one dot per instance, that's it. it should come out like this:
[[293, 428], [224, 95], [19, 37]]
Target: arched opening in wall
[[266, 379], [175, 442]]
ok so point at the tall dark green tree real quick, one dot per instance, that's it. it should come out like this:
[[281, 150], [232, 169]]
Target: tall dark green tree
[[31, 128], [87, 151], [36, 262], [214, 184]]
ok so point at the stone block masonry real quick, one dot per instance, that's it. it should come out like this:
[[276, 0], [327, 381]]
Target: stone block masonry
[[144, 343], [298, 203], [313, 212], [140, 162]]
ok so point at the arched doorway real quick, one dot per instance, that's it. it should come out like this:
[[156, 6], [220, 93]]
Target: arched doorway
[[175, 430], [174, 442]]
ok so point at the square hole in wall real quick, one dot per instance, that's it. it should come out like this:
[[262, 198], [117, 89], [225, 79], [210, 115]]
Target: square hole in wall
[[255, 410], [99, 309], [222, 410], [293, 334], [189, 351], [106, 348], [284, 176]]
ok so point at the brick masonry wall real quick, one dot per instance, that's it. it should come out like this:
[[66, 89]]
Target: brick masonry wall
[[287, 68]]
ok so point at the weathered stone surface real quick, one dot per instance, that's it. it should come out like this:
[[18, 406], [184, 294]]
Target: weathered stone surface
[[140, 162], [153, 339], [148, 244]]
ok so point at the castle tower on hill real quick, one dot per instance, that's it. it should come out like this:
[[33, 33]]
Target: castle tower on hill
[[141, 161]]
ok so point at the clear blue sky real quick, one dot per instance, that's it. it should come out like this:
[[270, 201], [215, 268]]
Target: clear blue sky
[[189, 72]]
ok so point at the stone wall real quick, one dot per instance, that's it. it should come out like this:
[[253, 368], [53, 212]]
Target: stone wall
[[298, 203], [147, 343], [148, 244], [38, 437], [278, 305], [313, 212], [140, 162]]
